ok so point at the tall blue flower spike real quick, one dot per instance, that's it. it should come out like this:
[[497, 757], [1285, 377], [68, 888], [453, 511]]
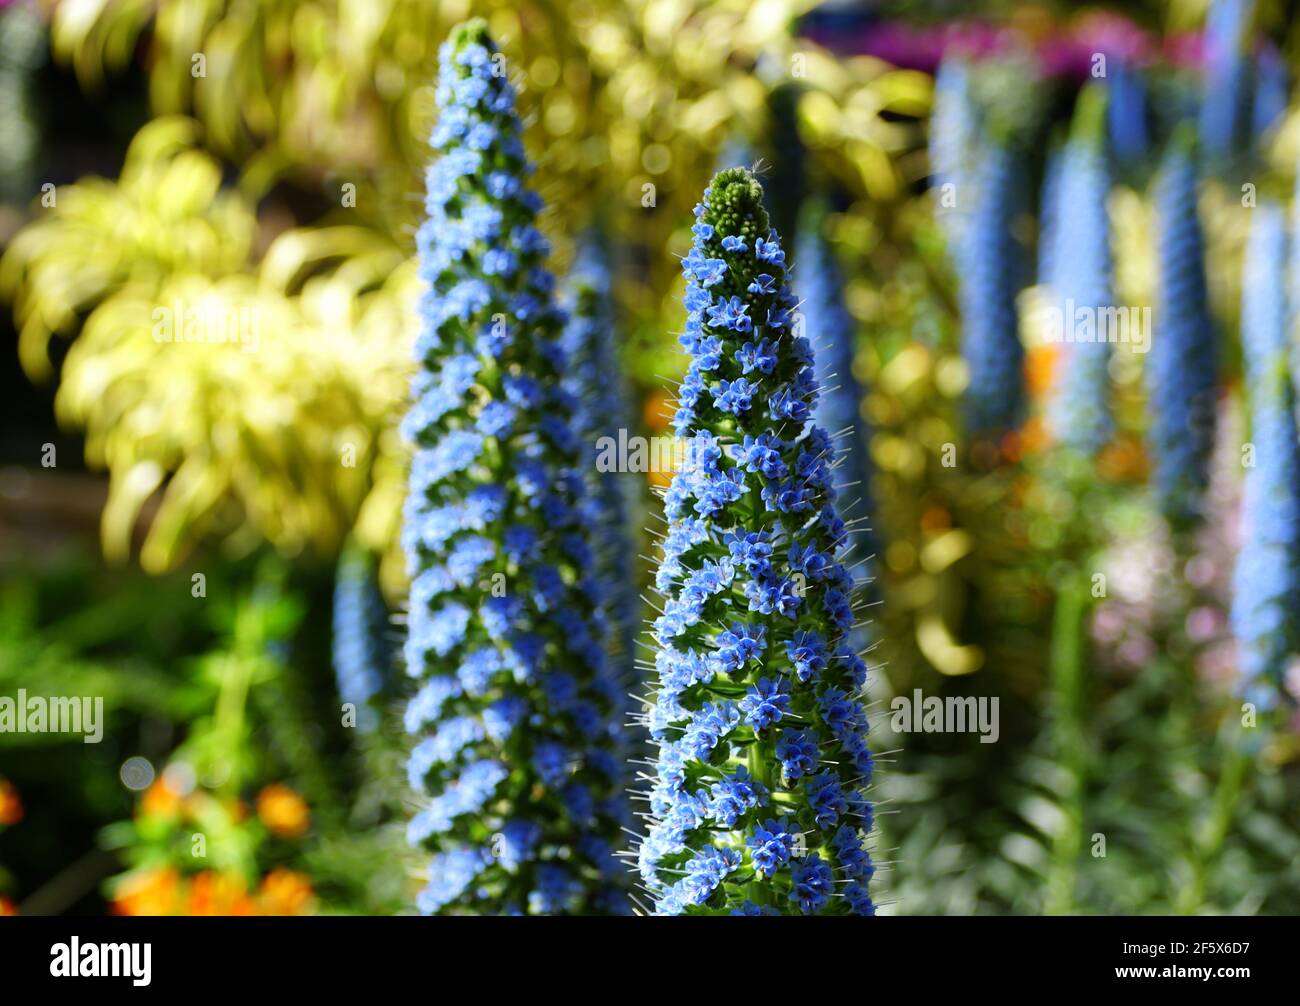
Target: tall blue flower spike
[[758, 803], [516, 716], [1080, 285], [1266, 583], [833, 332], [1272, 92], [954, 130], [1049, 199], [987, 285], [1126, 112], [361, 653], [1293, 282], [1181, 370], [595, 380], [1225, 103]]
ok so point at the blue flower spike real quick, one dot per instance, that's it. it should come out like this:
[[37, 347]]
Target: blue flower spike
[[758, 803], [515, 717], [1181, 370], [1266, 581], [361, 653]]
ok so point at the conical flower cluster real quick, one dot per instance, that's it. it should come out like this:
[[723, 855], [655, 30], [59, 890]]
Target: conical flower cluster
[[1081, 296], [833, 333], [758, 802], [601, 410], [1181, 369], [1266, 585], [987, 285], [515, 715], [360, 645]]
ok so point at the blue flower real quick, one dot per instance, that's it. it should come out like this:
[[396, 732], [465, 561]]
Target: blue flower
[[1181, 370], [826, 798], [734, 795], [769, 250], [858, 898], [954, 127], [766, 702], [813, 883], [1266, 581], [1225, 109], [849, 854], [1126, 113], [1080, 287], [771, 846], [515, 843], [797, 753], [752, 525], [740, 644], [984, 253], [758, 356], [496, 486], [360, 647], [807, 653]]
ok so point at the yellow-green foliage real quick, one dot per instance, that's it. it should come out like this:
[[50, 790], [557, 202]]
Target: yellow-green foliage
[[258, 396], [627, 103]]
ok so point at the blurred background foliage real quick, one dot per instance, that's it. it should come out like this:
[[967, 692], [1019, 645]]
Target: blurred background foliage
[[255, 165]]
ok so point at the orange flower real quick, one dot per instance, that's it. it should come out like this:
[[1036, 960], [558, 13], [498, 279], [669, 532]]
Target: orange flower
[[160, 800], [213, 893], [147, 892], [286, 892], [11, 808], [7, 907], [283, 811], [1040, 368]]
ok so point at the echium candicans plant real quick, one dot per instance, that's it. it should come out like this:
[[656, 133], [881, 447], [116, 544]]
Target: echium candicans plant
[[1080, 288], [832, 331], [1266, 581], [758, 801], [361, 652], [1126, 112], [954, 128], [1226, 81], [1181, 368], [595, 380], [1048, 205], [987, 284], [515, 715]]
